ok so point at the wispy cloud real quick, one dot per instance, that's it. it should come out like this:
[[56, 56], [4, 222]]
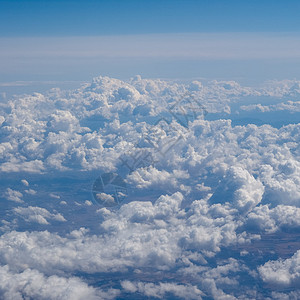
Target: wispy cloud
[[195, 46]]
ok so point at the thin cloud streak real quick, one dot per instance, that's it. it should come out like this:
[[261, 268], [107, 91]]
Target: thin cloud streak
[[186, 46]]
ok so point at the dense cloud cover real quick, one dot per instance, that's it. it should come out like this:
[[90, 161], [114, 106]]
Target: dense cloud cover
[[210, 209]]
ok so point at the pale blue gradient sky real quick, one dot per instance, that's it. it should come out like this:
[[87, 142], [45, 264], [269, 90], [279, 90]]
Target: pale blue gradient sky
[[248, 41]]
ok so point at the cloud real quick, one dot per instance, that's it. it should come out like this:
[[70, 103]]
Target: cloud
[[140, 235], [52, 195], [63, 121], [109, 199], [271, 220], [286, 296], [213, 192], [292, 106], [2, 119], [30, 192], [185, 45], [241, 189], [151, 177], [161, 290], [35, 166], [37, 214], [282, 272], [35, 285], [25, 182], [13, 195]]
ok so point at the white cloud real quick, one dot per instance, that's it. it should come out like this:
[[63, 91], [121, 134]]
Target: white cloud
[[25, 182], [185, 45], [13, 195], [240, 189], [31, 284], [35, 166], [103, 197], [271, 220], [37, 214], [63, 121], [151, 177], [52, 195], [219, 187], [88, 202], [160, 290], [2, 119], [140, 235], [30, 192], [282, 272], [292, 106], [286, 296]]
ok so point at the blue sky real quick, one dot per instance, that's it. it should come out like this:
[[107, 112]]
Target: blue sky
[[105, 17], [76, 40]]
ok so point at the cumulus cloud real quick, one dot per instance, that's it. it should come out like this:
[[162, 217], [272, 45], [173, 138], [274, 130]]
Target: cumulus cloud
[[151, 177], [271, 220], [158, 234], [286, 296], [35, 166], [2, 119], [160, 290], [30, 192], [240, 188], [13, 195], [63, 121], [35, 285], [37, 214], [215, 187], [25, 182], [282, 272], [106, 198]]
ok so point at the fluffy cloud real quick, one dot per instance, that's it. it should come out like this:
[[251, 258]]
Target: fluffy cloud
[[37, 214], [2, 119], [293, 106], [214, 188], [240, 189], [13, 195], [32, 284], [140, 235], [25, 182], [105, 198], [282, 272], [160, 290], [271, 220], [152, 178]]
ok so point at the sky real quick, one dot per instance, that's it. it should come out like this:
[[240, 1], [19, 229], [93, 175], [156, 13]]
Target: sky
[[248, 41], [116, 186], [114, 17]]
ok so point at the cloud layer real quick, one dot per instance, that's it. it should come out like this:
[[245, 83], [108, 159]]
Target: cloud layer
[[202, 193]]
